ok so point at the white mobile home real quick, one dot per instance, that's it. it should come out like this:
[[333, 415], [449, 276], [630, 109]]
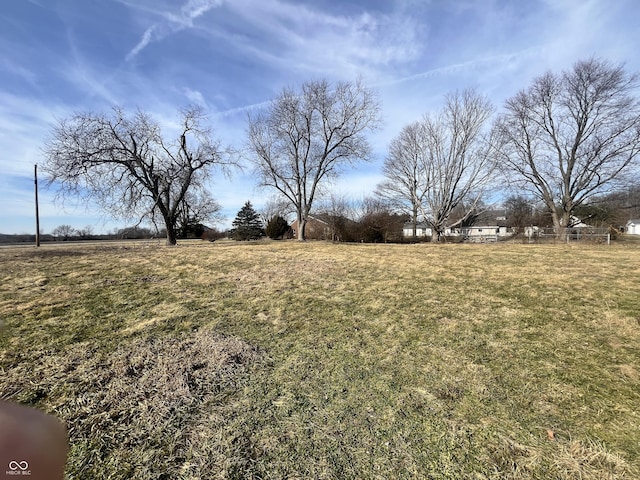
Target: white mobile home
[[481, 233]]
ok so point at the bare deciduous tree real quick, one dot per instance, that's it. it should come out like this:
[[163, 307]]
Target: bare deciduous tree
[[445, 161], [338, 211], [377, 222], [571, 136], [63, 232], [125, 166], [86, 233], [305, 138], [196, 209], [406, 184], [519, 210], [275, 207], [458, 165]]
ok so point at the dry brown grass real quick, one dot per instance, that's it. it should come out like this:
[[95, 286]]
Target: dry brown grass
[[288, 360], [138, 410]]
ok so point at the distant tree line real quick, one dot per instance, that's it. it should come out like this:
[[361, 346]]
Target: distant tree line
[[372, 219], [369, 220], [66, 233], [566, 146]]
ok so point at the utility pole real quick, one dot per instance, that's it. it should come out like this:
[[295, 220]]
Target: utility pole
[[35, 177]]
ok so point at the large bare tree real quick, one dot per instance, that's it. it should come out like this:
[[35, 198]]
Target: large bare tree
[[124, 164], [572, 136], [405, 185], [305, 137], [458, 165], [443, 162]]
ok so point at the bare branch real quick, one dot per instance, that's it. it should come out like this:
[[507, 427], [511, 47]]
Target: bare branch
[[306, 138], [436, 164], [124, 164], [572, 136]]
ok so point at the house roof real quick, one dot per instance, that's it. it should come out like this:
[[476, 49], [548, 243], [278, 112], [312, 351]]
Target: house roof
[[422, 225], [311, 218], [634, 221], [481, 226], [490, 217]]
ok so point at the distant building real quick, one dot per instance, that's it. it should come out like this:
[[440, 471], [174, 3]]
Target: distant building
[[481, 233], [633, 226], [424, 230], [487, 226], [315, 229]]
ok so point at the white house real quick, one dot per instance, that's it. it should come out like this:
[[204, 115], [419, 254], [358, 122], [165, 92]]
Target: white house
[[424, 230], [633, 226], [481, 233], [484, 230]]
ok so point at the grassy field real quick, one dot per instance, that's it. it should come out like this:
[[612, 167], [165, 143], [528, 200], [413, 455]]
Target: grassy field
[[288, 360]]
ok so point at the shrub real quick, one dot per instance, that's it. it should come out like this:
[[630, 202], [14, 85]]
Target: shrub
[[277, 227], [212, 234]]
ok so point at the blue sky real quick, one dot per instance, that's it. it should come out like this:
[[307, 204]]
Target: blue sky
[[231, 56]]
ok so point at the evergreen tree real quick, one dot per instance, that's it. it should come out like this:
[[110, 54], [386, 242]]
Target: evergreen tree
[[247, 225], [277, 227]]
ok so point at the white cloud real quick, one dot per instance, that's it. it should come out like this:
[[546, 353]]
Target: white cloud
[[195, 97], [310, 41], [24, 124], [195, 8], [173, 23], [481, 63], [11, 67], [82, 73], [243, 109], [144, 41]]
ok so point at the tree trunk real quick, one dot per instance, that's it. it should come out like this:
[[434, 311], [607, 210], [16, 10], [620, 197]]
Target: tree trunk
[[172, 238], [560, 225], [415, 221], [302, 225]]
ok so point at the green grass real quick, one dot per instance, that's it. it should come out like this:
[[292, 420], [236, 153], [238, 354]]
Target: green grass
[[288, 360]]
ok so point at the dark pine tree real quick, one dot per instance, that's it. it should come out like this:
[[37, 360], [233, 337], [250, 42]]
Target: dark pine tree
[[277, 227], [247, 225]]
